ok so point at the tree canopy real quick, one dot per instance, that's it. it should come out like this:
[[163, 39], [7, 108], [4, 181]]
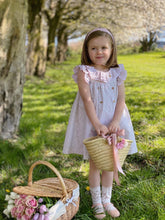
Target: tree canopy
[[129, 20]]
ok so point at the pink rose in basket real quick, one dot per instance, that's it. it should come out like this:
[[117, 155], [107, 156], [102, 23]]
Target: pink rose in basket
[[31, 202], [25, 217], [19, 202], [23, 196], [29, 211], [20, 209], [19, 216], [14, 212]]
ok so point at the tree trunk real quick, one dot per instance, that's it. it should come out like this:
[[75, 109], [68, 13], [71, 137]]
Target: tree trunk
[[62, 45], [53, 25], [37, 38], [51, 39], [147, 42], [13, 24]]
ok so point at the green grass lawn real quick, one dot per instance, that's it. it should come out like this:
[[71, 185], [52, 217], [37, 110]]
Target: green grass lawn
[[46, 109]]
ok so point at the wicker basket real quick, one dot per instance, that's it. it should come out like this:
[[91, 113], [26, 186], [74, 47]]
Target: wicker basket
[[57, 187], [102, 153]]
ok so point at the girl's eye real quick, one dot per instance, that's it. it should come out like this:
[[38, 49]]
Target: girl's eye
[[104, 48], [93, 48]]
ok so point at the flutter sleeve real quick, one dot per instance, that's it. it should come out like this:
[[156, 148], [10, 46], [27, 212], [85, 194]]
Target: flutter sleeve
[[122, 74], [84, 69]]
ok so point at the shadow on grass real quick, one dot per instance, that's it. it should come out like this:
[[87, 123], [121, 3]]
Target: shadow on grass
[[41, 136]]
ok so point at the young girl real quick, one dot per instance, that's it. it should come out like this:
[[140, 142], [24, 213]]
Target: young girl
[[99, 108]]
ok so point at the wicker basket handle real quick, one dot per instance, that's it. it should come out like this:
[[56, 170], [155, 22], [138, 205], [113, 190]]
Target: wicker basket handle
[[53, 169]]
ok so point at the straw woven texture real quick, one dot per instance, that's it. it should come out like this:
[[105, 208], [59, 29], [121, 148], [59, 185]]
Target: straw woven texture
[[57, 187], [102, 153]]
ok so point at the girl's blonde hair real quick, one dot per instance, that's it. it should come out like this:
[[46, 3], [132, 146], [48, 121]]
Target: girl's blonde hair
[[85, 59]]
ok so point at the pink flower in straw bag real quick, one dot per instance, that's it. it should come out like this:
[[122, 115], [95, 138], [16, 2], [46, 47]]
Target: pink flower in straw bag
[[121, 144]]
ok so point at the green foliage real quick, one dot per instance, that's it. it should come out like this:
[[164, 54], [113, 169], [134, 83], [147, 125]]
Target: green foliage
[[46, 109]]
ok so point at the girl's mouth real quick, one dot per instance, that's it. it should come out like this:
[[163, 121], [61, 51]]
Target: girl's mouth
[[99, 57]]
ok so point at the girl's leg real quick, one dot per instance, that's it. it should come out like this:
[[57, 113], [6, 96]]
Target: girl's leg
[[94, 175], [107, 178], [107, 181], [94, 182]]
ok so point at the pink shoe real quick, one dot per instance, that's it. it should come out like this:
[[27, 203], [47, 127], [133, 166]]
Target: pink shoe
[[111, 210], [98, 210]]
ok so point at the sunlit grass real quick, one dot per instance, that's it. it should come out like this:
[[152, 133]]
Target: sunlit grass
[[46, 110]]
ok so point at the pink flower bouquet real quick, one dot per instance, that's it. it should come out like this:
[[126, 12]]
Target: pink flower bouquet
[[23, 207]]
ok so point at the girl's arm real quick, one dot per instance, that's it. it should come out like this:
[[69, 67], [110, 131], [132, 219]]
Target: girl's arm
[[114, 125], [88, 104]]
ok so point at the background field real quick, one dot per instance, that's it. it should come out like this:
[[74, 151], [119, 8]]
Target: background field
[[46, 109]]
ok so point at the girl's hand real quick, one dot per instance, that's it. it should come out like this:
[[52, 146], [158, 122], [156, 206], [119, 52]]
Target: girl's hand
[[114, 127], [101, 129]]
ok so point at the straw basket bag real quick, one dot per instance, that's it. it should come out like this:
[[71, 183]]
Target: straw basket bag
[[102, 153], [66, 190]]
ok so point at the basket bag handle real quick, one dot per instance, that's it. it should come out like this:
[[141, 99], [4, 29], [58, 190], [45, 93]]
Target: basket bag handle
[[53, 169]]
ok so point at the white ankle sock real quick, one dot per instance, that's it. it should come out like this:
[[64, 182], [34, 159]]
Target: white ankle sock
[[106, 194], [96, 195]]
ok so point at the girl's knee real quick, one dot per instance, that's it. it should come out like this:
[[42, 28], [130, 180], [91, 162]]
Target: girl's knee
[[92, 165]]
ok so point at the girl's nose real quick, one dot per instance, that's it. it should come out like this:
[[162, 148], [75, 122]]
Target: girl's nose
[[99, 51]]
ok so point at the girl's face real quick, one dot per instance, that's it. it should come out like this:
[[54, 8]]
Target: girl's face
[[99, 50]]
